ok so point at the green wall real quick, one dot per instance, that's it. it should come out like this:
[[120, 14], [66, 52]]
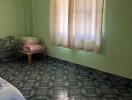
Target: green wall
[[116, 56], [13, 18]]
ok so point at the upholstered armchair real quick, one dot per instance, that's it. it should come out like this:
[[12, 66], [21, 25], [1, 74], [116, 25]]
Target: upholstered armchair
[[29, 46], [7, 49]]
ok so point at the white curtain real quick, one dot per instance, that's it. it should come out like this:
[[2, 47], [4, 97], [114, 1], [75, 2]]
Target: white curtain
[[76, 23]]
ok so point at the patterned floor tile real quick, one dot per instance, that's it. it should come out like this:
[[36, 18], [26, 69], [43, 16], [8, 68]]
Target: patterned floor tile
[[60, 80]]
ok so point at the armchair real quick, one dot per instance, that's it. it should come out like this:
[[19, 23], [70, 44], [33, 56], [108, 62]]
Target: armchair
[[7, 49]]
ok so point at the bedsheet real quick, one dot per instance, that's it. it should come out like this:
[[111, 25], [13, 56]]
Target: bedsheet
[[9, 92]]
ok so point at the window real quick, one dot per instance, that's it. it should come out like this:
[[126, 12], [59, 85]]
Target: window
[[76, 23]]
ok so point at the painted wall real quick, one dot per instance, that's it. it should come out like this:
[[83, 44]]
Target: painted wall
[[116, 56], [13, 17]]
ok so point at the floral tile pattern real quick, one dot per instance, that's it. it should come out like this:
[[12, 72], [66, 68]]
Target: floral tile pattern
[[60, 80]]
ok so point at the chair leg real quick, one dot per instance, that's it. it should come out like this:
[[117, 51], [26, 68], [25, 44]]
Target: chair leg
[[29, 58], [44, 58]]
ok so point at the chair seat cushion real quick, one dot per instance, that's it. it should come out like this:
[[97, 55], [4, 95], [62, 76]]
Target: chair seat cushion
[[33, 47]]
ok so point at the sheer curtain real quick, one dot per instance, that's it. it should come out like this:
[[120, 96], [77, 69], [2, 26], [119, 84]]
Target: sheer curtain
[[76, 23]]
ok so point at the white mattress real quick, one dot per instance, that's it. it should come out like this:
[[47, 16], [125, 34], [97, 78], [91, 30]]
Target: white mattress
[[9, 92]]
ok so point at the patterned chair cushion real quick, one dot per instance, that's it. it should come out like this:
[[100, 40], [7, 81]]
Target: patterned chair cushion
[[29, 40]]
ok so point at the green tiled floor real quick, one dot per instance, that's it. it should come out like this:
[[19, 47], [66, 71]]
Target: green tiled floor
[[59, 80]]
